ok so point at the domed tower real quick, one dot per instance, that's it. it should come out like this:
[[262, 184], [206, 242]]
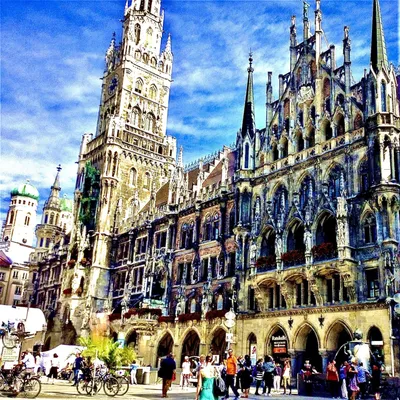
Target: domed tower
[[21, 218]]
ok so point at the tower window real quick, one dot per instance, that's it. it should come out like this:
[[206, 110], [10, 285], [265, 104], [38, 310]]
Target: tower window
[[132, 177], [137, 34], [246, 155], [139, 86], [147, 181], [153, 92], [27, 220], [11, 220], [383, 97]]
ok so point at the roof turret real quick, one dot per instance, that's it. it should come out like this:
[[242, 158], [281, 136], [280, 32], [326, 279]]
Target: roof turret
[[249, 115], [378, 45]]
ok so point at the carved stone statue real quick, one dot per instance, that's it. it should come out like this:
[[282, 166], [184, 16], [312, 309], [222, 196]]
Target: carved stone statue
[[253, 252], [308, 240], [278, 246], [341, 233]]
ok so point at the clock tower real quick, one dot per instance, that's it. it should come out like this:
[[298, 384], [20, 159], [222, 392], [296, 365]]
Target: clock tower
[[130, 157]]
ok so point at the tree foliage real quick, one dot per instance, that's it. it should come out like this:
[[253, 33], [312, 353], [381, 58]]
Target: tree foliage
[[107, 350]]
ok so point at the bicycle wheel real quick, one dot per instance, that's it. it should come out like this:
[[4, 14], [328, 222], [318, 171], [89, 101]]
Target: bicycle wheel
[[81, 386], [10, 340], [123, 385], [111, 386], [31, 388], [94, 386]]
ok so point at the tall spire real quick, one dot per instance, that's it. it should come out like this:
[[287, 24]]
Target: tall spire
[[378, 45], [54, 198], [248, 115]]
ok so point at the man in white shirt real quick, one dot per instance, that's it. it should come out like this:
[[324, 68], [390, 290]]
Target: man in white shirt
[[28, 362]]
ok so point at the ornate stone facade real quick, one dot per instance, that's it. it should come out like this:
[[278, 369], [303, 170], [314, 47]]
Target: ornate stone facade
[[295, 227]]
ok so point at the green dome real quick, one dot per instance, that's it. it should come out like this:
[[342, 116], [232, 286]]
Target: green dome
[[26, 190], [66, 204]]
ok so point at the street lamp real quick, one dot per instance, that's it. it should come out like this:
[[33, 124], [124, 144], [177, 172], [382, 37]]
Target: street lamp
[[394, 310], [230, 322]]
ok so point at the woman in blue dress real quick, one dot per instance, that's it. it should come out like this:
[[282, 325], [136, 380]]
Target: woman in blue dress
[[205, 383]]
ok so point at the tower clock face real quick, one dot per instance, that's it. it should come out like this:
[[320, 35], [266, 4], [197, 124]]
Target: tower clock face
[[113, 85]]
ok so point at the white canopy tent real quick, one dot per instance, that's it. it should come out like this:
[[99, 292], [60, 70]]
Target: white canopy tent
[[66, 354], [36, 321]]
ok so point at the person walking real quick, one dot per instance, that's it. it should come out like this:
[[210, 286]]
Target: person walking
[[259, 375], [238, 382], [269, 368], [376, 380], [38, 363], [231, 371], [77, 367], [352, 373], [362, 377], [307, 372], [205, 381], [134, 368], [54, 366], [185, 373], [245, 376], [332, 379], [286, 376], [343, 380], [166, 372], [277, 378]]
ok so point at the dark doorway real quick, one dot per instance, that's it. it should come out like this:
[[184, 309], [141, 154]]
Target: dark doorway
[[191, 345], [218, 344]]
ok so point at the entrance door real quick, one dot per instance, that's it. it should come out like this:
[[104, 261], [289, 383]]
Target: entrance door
[[191, 345], [165, 346], [218, 344]]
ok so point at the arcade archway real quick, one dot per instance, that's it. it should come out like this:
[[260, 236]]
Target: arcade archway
[[191, 345], [165, 346], [218, 344], [307, 344], [131, 340], [277, 345], [338, 335]]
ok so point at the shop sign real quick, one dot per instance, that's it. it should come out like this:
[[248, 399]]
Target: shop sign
[[279, 344]]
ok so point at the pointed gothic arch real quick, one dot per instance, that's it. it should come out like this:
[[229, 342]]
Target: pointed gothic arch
[[190, 344], [165, 345]]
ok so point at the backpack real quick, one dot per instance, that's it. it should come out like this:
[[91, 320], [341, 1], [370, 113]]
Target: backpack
[[219, 386]]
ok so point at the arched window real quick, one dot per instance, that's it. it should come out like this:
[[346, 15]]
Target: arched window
[[136, 117], [370, 229], [139, 86], [340, 99], [246, 155], [358, 121], [284, 148], [275, 152], [387, 161], [268, 244], [150, 123], [311, 138], [207, 228], [149, 5], [364, 176], [300, 142], [153, 92], [340, 127], [372, 97], [11, 220], [307, 190], [132, 176], [147, 181], [313, 114], [280, 201], [161, 66], [336, 183], [326, 130], [27, 219], [46, 218], [137, 34], [326, 230], [300, 118], [141, 5], [383, 97], [149, 35], [51, 222]]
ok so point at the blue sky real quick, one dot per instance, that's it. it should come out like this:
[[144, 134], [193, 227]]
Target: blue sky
[[52, 58]]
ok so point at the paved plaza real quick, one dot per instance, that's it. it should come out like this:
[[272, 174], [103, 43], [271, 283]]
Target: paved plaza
[[63, 390]]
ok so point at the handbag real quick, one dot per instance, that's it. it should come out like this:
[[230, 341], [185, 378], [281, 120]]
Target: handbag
[[218, 386]]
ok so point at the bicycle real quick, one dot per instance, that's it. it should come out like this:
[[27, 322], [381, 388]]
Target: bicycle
[[9, 335], [29, 386], [109, 383], [123, 382]]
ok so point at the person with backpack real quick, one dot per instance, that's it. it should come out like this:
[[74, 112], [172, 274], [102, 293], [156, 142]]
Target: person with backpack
[[268, 368], [258, 374]]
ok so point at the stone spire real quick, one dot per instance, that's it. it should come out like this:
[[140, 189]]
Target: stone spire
[[168, 47], [54, 199], [249, 115], [378, 45]]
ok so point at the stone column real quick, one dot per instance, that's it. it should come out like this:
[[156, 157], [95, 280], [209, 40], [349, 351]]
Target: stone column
[[325, 359]]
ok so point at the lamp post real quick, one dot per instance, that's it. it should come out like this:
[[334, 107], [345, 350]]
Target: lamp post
[[230, 322], [394, 312]]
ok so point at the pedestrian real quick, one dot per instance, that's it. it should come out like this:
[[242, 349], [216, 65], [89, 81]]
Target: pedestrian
[[205, 381], [185, 373], [376, 380], [307, 373], [269, 368], [362, 377], [352, 373], [277, 378], [286, 376], [38, 363], [259, 375], [77, 367], [231, 371], [166, 372], [134, 368], [54, 366], [332, 379], [238, 382], [343, 380], [201, 363], [245, 377]]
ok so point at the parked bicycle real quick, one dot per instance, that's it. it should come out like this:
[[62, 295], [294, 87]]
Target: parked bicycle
[[29, 386], [9, 335]]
